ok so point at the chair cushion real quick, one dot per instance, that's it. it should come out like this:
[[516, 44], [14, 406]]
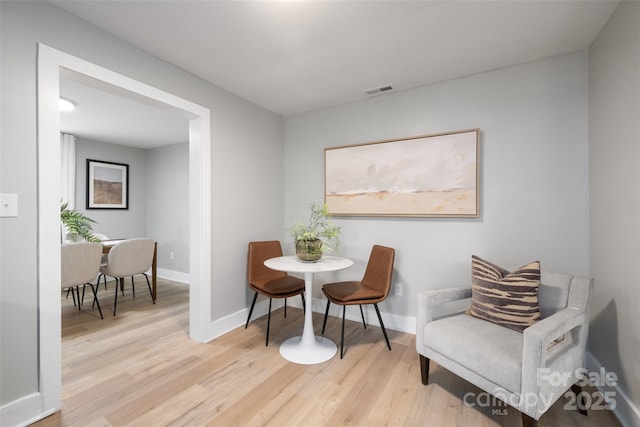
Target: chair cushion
[[507, 298], [350, 292], [282, 286], [485, 348]]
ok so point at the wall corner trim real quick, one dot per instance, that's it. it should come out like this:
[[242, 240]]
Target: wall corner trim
[[626, 411]]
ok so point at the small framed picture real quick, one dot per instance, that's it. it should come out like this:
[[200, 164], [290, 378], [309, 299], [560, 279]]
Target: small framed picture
[[107, 185]]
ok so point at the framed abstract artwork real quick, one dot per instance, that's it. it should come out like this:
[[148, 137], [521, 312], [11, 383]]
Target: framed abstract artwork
[[421, 176], [107, 185]]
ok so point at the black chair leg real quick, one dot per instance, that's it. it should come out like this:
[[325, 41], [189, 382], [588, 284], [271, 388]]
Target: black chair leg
[[424, 370], [362, 314], [97, 285], [528, 421], [268, 323], [304, 303], [285, 308], [93, 304], [384, 331], [105, 280], [95, 300], [580, 399], [148, 286], [326, 313], [78, 295], [115, 301], [73, 295], [133, 286], [344, 309], [255, 297]]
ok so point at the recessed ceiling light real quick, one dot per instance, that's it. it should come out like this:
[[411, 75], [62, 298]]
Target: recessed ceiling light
[[66, 105]]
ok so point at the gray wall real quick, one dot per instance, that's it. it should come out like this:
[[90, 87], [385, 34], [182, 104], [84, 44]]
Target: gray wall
[[246, 171], [614, 129], [115, 223], [168, 204], [158, 197], [534, 176]]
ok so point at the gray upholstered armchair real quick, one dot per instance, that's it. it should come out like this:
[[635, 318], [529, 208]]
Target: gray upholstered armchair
[[521, 369]]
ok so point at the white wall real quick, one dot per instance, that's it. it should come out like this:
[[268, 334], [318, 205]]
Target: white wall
[[115, 223], [247, 172], [534, 175], [614, 152]]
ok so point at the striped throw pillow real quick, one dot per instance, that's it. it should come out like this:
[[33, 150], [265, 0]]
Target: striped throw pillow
[[507, 298]]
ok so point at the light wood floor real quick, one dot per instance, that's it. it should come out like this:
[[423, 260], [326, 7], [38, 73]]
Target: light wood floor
[[141, 369]]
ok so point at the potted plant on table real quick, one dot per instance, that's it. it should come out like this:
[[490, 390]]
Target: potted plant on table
[[317, 237], [78, 226]]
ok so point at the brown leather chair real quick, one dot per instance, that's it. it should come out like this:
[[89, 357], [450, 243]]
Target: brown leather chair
[[270, 283], [373, 288]]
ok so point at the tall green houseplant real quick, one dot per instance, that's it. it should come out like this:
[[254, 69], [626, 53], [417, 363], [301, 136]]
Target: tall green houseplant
[[78, 225], [318, 236]]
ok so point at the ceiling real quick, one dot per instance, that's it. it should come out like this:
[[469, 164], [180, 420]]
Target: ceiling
[[295, 56], [102, 115]]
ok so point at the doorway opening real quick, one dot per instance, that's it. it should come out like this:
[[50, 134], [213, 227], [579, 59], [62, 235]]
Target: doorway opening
[[51, 63]]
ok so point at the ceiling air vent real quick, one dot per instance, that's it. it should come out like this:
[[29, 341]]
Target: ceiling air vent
[[377, 90]]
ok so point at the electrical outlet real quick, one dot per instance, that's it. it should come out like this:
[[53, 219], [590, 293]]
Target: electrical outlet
[[398, 289]]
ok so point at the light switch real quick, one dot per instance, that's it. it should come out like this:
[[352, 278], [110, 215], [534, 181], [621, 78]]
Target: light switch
[[8, 205]]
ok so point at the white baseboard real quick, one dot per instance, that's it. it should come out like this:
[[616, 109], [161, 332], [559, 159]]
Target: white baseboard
[[228, 323], [176, 276], [391, 321], [626, 411], [23, 411]]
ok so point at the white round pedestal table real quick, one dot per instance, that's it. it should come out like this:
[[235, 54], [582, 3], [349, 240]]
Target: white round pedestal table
[[308, 349]]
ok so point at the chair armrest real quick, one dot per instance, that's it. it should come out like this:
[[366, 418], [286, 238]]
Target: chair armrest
[[539, 360], [427, 301], [538, 336]]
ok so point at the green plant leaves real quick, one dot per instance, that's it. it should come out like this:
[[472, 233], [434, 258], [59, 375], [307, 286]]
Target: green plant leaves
[[77, 223], [320, 227]]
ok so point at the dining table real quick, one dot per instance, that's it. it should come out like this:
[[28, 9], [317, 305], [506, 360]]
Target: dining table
[[308, 349], [108, 244]]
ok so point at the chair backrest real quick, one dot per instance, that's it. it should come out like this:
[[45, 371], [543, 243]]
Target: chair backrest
[[258, 253], [379, 269], [129, 257], [80, 263], [559, 290]]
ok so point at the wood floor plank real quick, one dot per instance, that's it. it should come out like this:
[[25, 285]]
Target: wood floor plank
[[168, 410], [140, 369]]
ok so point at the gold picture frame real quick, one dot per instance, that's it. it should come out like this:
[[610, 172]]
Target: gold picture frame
[[434, 175]]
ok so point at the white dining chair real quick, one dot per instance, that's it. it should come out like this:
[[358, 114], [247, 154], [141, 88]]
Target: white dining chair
[[128, 258], [80, 264]]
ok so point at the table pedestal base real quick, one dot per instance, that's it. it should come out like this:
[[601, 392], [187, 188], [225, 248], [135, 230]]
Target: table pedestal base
[[320, 350]]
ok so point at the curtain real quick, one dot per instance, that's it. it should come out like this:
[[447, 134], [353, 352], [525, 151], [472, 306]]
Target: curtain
[[68, 169]]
